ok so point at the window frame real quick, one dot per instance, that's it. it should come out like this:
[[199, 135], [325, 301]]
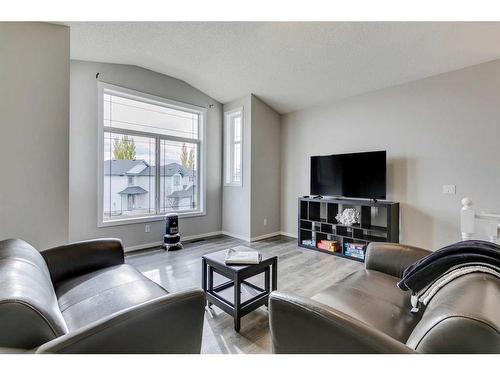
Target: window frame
[[229, 147], [127, 93]]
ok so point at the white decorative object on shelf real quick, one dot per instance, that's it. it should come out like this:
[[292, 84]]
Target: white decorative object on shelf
[[348, 217]]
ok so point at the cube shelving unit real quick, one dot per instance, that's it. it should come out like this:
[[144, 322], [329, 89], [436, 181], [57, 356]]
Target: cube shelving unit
[[379, 222]]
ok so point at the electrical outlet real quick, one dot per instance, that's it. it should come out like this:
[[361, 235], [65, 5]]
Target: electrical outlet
[[265, 221], [147, 228], [449, 189]]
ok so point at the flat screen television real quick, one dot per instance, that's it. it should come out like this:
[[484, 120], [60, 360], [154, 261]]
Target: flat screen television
[[355, 175]]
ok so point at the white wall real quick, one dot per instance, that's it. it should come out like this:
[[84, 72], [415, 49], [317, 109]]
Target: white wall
[[83, 151], [266, 154], [440, 130], [245, 207], [236, 199], [34, 119]]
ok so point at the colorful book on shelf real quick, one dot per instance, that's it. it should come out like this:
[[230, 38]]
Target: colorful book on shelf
[[309, 242], [358, 251], [323, 246], [329, 245], [357, 246], [353, 245], [355, 250], [354, 255]]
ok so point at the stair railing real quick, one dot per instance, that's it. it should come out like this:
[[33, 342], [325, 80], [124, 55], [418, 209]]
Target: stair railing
[[469, 216]]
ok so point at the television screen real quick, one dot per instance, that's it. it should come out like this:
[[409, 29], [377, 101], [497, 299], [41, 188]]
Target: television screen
[[356, 175]]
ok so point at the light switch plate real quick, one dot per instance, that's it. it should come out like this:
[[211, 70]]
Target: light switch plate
[[449, 189]]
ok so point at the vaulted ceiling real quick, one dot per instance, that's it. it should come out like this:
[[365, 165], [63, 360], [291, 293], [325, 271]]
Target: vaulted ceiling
[[288, 65]]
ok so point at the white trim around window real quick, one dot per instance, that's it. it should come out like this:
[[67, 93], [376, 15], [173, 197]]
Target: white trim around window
[[233, 147], [200, 159]]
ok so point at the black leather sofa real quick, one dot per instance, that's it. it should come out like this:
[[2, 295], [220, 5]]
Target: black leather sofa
[[82, 298], [367, 313]]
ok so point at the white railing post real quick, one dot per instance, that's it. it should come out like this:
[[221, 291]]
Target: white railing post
[[467, 217]]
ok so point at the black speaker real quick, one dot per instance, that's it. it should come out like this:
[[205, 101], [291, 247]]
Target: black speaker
[[172, 238]]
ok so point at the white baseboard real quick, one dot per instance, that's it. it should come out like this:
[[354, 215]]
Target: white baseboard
[[288, 234], [203, 235], [251, 239], [264, 236], [159, 243], [207, 235], [240, 237], [142, 246]]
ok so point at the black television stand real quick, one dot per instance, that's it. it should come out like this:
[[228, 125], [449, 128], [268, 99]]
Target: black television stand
[[379, 222]]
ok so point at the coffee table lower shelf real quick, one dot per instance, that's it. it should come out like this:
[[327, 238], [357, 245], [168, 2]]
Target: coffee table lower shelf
[[237, 276]]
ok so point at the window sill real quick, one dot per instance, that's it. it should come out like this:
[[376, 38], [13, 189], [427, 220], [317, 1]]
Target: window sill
[[146, 219]]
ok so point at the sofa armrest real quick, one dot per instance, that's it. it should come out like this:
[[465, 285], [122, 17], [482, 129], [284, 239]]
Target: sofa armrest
[[303, 326], [171, 324], [392, 258], [82, 257]]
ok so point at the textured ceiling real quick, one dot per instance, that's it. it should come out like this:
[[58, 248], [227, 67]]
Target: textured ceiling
[[288, 65]]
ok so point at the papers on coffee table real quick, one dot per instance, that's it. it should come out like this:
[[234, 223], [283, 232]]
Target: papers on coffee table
[[242, 255]]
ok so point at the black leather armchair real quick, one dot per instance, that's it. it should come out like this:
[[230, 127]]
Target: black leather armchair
[[303, 326], [367, 313], [82, 298]]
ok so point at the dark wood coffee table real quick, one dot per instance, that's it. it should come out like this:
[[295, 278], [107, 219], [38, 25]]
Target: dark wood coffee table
[[237, 275]]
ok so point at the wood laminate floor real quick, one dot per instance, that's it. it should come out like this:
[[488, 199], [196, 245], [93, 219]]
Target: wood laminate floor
[[301, 271]]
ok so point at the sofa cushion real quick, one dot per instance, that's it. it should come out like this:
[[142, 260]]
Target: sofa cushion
[[93, 296], [29, 310], [373, 298]]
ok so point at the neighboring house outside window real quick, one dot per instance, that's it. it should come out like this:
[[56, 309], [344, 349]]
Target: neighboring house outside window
[[233, 147], [139, 134], [177, 181]]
